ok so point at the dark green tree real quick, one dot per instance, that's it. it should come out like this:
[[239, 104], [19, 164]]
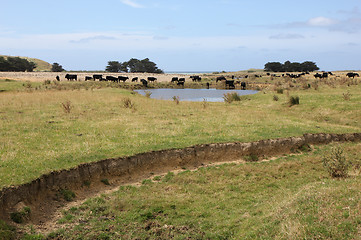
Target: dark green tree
[[16, 64], [56, 67], [274, 67], [290, 67], [145, 65], [113, 66]]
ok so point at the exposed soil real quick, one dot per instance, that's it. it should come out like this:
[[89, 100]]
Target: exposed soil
[[45, 200]]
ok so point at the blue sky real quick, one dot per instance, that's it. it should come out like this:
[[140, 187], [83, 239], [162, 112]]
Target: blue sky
[[184, 35]]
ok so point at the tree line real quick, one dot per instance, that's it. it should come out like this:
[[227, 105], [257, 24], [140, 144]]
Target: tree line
[[133, 65], [288, 66], [16, 64]]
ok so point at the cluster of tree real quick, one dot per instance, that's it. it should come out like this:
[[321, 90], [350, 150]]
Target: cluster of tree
[[56, 67], [133, 65], [291, 67], [16, 64]]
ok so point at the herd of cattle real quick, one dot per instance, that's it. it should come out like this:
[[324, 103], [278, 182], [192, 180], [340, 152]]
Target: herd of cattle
[[230, 84]]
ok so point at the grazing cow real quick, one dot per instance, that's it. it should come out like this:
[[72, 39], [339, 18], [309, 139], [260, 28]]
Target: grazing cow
[[71, 77], [207, 85], [144, 82], [243, 85], [88, 78], [174, 79], [352, 75], [97, 76], [135, 79], [111, 78], [196, 78], [57, 78], [121, 78], [220, 78], [230, 84], [151, 79]]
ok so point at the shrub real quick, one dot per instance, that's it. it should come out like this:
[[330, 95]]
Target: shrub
[[127, 103], [230, 97], [251, 158], [275, 98], [279, 90], [294, 100], [336, 163], [176, 99], [147, 94], [6, 232]]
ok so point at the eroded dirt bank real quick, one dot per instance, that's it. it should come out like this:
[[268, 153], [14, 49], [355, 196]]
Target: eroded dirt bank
[[43, 194]]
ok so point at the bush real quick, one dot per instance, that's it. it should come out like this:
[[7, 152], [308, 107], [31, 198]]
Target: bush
[[66, 106], [147, 94], [68, 195], [19, 217], [176, 99], [127, 103], [294, 101], [230, 97], [336, 163], [275, 98]]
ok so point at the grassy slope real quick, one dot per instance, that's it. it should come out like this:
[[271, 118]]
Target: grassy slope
[[291, 197], [37, 136], [40, 64]]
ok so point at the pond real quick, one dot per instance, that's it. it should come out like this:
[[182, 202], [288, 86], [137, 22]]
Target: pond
[[194, 95]]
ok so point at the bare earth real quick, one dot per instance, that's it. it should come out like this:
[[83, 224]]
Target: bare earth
[[42, 76]]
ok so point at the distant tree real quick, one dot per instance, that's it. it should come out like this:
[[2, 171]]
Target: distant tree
[[16, 64], [133, 65], [290, 67], [56, 67], [113, 66]]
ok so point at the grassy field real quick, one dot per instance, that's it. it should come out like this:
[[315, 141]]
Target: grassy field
[[50, 126], [38, 136]]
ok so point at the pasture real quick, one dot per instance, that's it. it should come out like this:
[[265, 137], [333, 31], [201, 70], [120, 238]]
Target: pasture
[[48, 126]]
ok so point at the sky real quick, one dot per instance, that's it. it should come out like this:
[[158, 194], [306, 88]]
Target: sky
[[184, 35]]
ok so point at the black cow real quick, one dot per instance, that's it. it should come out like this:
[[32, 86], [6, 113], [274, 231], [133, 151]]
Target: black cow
[[97, 76], [174, 79], [151, 79], [57, 78], [320, 76], [220, 78], [144, 82], [88, 78], [352, 75], [243, 85], [230, 84], [71, 77], [111, 78], [196, 78], [135, 79], [121, 78]]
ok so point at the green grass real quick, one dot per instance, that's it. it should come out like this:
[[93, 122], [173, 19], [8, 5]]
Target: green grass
[[291, 197], [37, 136]]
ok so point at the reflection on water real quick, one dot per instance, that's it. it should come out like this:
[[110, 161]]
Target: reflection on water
[[195, 95]]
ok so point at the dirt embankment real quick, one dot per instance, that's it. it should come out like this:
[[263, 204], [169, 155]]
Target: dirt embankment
[[43, 194]]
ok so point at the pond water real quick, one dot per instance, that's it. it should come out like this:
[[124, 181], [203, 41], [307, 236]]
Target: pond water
[[194, 95]]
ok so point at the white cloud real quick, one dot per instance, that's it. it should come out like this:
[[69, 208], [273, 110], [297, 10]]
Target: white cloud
[[321, 22], [132, 3], [287, 36]]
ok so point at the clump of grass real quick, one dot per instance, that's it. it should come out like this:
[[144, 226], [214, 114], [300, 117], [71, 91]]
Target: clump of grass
[[176, 99], [6, 231], [205, 103], [251, 158], [279, 90], [68, 195], [230, 97], [128, 103], [294, 100], [336, 163], [19, 217], [86, 183], [67, 106], [346, 96], [147, 94], [275, 98], [105, 181]]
